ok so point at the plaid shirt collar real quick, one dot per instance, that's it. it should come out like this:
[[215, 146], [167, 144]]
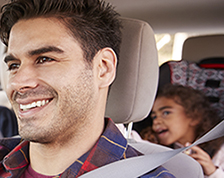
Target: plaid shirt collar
[[110, 147], [17, 160]]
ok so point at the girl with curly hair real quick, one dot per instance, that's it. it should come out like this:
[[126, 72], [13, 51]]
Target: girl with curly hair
[[180, 115]]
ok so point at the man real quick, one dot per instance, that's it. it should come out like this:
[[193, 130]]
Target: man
[[61, 60]]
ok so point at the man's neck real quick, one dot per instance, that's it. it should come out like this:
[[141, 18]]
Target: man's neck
[[54, 159]]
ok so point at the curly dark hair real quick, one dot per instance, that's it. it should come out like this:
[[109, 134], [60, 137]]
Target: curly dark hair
[[93, 23], [196, 106]]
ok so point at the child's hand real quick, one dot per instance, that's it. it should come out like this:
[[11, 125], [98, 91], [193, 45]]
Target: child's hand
[[203, 159]]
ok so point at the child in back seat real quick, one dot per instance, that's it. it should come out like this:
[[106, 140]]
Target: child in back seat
[[180, 115]]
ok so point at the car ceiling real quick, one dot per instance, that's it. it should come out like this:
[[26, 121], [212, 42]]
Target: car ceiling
[[174, 15]]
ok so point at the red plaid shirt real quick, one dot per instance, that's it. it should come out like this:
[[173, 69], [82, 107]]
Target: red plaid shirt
[[111, 146]]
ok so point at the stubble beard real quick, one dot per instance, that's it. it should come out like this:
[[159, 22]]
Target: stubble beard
[[71, 117]]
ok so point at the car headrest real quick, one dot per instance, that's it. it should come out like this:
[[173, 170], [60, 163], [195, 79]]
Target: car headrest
[[132, 93], [198, 48]]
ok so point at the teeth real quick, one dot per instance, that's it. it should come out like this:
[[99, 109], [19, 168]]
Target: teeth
[[33, 105]]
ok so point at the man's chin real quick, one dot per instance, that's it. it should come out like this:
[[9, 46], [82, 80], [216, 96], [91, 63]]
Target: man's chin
[[34, 137]]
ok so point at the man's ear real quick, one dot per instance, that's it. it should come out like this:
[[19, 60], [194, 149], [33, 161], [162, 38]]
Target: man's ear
[[106, 66]]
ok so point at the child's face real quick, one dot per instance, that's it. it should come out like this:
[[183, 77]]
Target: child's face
[[171, 123]]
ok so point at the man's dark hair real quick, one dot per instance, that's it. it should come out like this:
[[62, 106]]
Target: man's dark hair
[[93, 23]]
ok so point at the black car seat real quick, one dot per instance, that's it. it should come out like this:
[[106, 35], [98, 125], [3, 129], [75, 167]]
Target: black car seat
[[201, 67]]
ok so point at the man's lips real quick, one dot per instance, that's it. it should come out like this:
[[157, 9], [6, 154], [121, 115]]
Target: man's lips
[[33, 99], [34, 104]]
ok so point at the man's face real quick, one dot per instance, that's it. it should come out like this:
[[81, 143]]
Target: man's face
[[50, 86]]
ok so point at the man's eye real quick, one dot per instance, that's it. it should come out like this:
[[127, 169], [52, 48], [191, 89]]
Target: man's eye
[[13, 66], [42, 60]]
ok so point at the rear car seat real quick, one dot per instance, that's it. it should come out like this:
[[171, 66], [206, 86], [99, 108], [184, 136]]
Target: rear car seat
[[201, 67]]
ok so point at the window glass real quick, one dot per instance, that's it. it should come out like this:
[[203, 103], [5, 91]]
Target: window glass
[[169, 46]]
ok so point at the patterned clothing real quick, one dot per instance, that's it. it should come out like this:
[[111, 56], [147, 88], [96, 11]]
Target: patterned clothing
[[111, 146]]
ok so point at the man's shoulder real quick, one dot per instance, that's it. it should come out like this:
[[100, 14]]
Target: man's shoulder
[[8, 144]]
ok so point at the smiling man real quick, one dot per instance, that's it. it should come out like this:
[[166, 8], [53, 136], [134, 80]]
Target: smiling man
[[61, 57], [36, 60]]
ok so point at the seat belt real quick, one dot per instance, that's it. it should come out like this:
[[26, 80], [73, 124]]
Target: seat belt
[[136, 166]]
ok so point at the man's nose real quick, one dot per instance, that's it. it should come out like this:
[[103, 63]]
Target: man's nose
[[25, 78]]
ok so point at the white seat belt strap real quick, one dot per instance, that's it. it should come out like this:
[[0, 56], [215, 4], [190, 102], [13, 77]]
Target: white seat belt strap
[[137, 166]]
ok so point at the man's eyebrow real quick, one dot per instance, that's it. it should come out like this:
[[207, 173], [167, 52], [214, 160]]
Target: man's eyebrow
[[9, 58], [35, 52], [45, 50]]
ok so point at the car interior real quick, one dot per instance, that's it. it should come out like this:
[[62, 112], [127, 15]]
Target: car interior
[[133, 91], [129, 94], [141, 71], [133, 88], [201, 68]]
